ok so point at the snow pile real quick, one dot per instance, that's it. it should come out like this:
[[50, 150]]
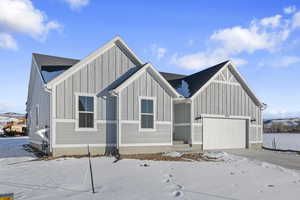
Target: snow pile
[[173, 154], [183, 89]]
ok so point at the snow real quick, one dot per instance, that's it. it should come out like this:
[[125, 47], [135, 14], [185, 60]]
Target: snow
[[49, 75], [293, 122], [68, 178], [183, 89], [283, 140], [173, 154]]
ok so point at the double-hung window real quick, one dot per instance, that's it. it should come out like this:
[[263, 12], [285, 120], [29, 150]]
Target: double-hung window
[[147, 108], [86, 112]]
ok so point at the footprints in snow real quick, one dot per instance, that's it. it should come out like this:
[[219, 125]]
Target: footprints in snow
[[173, 186]]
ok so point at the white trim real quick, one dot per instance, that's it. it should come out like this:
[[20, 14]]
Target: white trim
[[146, 144], [164, 122], [130, 121], [77, 128], [231, 77], [82, 63], [137, 122], [181, 100], [225, 82], [198, 143], [65, 120], [255, 142], [82, 145], [223, 76], [97, 121], [53, 112], [106, 121], [172, 125], [255, 125], [119, 118], [154, 114], [197, 124], [224, 116], [182, 124]]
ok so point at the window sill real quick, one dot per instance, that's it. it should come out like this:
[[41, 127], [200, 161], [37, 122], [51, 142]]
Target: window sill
[[86, 129], [147, 130]]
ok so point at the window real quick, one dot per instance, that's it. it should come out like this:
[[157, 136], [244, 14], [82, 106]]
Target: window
[[85, 112], [147, 113]]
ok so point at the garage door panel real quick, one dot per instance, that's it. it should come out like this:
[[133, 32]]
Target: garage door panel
[[219, 133]]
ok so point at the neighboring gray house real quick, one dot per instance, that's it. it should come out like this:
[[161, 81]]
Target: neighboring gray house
[[111, 99]]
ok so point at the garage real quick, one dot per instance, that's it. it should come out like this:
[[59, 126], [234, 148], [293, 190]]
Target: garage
[[224, 133]]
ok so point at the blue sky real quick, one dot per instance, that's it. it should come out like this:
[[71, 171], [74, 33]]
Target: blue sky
[[261, 37]]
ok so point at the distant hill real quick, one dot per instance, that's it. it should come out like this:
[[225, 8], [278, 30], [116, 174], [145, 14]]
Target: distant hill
[[287, 125]]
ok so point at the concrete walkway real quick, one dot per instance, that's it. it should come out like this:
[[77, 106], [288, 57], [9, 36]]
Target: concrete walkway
[[287, 160]]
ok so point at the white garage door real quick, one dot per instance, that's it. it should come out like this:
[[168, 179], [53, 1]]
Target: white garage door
[[221, 133]]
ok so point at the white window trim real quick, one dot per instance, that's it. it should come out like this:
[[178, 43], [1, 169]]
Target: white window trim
[[77, 128], [154, 114], [37, 116]]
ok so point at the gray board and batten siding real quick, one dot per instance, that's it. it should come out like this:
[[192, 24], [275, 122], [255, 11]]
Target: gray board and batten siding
[[38, 101], [226, 97], [147, 86], [94, 78]]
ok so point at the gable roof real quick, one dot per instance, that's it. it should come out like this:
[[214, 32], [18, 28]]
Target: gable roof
[[52, 66], [133, 76], [171, 76], [77, 66], [189, 85], [46, 60]]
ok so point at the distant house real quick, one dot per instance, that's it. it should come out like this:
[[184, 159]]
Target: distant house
[[111, 99]]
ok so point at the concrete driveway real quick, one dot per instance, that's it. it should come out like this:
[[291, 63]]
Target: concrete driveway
[[287, 160]]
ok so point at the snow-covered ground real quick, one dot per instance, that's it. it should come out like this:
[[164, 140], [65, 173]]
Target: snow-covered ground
[[282, 140], [235, 178]]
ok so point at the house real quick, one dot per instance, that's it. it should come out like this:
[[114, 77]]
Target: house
[[111, 99]]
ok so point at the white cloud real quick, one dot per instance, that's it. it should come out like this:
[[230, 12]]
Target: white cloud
[[296, 20], [283, 61], [159, 52], [21, 16], [77, 4], [267, 34], [273, 21], [7, 42], [191, 42], [289, 10]]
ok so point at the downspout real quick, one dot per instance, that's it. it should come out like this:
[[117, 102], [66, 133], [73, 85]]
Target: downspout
[[118, 118], [51, 119]]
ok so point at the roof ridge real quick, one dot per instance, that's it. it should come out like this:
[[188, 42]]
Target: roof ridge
[[39, 54]]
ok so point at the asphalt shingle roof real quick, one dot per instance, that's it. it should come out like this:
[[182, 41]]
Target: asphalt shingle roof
[[187, 86], [195, 81], [52, 66], [171, 76]]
